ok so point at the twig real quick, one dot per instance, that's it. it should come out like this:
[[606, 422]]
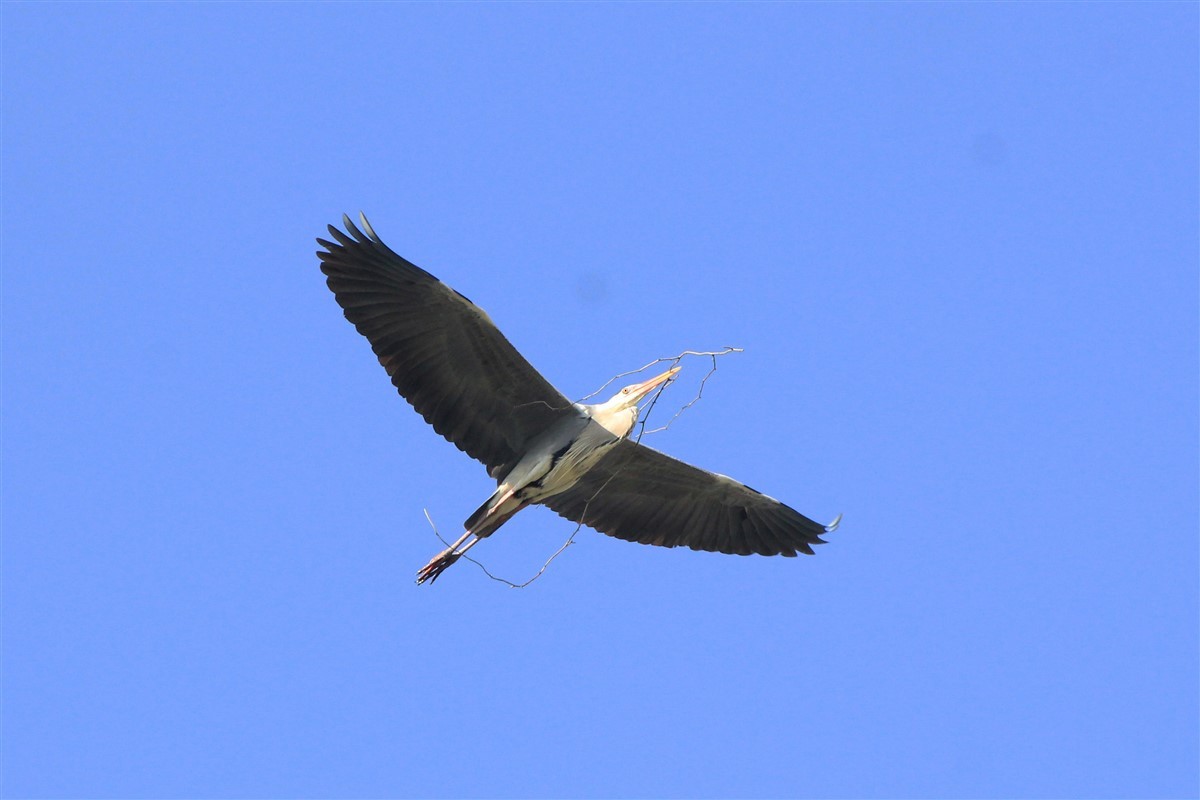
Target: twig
[[694, 400], [487, 572], [673, 359]]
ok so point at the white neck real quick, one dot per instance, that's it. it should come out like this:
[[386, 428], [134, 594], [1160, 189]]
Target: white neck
[[615, 416]]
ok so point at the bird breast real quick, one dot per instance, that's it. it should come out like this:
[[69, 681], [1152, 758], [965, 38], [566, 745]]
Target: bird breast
[[618, 422], [557, 463]]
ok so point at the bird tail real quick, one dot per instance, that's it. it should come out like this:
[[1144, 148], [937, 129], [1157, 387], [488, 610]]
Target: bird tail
[[478, 516], [495, 511]]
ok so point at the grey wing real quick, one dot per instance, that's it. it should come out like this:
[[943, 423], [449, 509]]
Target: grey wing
[[442, 352], [641, 495]]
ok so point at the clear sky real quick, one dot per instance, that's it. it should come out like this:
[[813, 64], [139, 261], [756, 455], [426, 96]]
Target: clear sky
[[958, 243]]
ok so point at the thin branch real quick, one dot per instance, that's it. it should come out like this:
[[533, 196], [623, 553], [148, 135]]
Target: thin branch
[[694, 400], [644, 418], [487, 572], [673, 359]]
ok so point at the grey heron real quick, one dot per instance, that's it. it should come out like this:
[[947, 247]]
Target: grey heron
[[452, 364]]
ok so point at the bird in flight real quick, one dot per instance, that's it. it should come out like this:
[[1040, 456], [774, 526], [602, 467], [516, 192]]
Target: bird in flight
[[452, 364]]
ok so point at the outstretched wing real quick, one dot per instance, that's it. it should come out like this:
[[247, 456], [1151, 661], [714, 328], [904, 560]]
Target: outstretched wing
[[443, 352], [641, 495]]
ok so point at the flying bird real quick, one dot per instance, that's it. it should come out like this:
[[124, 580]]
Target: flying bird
[[451, 363]]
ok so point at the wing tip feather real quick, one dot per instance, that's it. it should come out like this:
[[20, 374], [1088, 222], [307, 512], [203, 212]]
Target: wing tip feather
[[366, 226], [363, 232], [353, 230]]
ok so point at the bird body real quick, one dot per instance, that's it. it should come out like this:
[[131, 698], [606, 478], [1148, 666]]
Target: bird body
[[447, 358], [557, 459]]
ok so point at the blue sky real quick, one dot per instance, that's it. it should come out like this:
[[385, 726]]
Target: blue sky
[[958, 243]]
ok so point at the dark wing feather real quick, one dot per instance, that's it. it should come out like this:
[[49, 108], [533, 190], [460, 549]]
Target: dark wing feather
[[641, 495], [443, 352]]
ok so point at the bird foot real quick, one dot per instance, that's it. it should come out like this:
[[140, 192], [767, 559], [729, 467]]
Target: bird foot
[[437, 565]]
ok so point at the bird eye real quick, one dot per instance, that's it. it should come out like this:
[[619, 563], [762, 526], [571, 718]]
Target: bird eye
[[625, 390]]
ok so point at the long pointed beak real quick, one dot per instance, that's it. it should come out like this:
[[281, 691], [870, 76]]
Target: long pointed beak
[[643, 389]]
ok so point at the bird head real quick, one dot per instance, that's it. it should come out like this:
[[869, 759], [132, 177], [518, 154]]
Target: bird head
[[619, 413], [632, 395]]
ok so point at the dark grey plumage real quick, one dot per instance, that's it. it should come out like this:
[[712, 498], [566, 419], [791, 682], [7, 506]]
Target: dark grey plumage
[[641, 495], [442, 352]]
